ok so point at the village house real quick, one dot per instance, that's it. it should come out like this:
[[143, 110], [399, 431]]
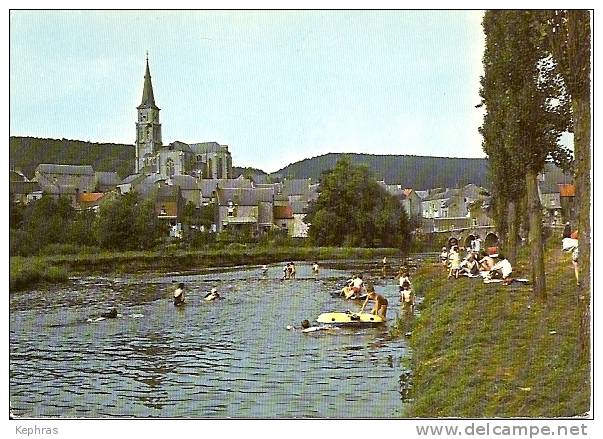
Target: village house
[[248, 209], [90, 200], [106, 181], [65, 180], [284, 219], [411, 203]]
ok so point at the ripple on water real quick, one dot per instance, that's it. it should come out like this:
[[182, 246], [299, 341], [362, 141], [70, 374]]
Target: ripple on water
[[232, 358]]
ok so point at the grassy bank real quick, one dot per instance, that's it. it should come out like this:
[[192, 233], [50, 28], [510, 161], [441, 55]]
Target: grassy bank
[[26, 271], [32, 271], [487, 350]]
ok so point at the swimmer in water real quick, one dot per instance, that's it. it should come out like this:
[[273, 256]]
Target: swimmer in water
[[305, 327], [212, 295], [179, 295]]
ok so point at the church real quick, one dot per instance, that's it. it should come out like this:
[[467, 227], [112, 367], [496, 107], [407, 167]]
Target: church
[[206, 160]]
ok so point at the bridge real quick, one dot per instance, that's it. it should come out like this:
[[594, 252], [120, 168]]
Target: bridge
[[464, 236]]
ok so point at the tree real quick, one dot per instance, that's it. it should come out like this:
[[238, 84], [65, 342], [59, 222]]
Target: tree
[[505, 171], [46, 220], [528, 108], [354, 210], [80, 229], [127, 222], [569, 37]]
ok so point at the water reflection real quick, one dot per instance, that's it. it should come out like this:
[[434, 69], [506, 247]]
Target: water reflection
[[228, 358]]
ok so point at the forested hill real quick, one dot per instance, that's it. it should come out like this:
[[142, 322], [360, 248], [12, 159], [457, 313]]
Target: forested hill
[[418, 172], [27, 153]]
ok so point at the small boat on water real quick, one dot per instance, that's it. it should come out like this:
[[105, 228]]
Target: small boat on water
[[353, 297], [350, 319]]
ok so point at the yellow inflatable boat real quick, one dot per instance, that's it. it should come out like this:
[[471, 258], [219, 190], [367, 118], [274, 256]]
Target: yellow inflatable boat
[[350, 319]]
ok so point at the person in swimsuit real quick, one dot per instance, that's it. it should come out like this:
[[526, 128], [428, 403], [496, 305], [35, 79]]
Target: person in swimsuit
[[380, 307]]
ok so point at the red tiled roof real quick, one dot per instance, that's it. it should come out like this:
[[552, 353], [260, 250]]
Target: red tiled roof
[[91, 197], [283, 212], [567, 190]]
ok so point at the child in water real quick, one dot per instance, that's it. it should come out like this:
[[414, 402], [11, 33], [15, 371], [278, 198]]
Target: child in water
[[305, 327], [212, 295], [380, 307], [179, 295]]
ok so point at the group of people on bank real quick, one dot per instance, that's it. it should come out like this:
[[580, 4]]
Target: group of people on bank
[[475, 263]]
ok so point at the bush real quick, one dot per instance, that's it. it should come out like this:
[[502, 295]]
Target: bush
[[275, 238], [22, 243], [25, 273], [68, 249], [198, 239]]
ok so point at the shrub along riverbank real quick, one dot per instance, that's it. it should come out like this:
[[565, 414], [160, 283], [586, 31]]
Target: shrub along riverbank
[[27, 271], [487, 350]]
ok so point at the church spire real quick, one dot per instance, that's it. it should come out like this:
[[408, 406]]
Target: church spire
[[148, 100]]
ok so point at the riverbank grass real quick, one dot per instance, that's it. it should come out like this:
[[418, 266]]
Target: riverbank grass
[[488, 350], [26, 272]]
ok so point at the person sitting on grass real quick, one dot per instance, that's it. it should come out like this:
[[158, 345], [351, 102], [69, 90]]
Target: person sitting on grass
[[470, 268], [380, 307], [486, 262], [502, 269]]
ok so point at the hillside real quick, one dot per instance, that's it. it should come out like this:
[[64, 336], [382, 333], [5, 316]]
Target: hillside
[[418, 172], [27, 153]]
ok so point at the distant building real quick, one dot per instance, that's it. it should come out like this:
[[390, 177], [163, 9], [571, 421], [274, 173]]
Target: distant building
[[451, 203], [247, 209], [411, 203], [65, 180], [106, 181], [202, 160]]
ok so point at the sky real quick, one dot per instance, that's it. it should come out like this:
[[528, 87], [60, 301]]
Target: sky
[[276, 86]]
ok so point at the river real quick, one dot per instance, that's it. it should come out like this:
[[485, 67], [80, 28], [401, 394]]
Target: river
[[228, 358]]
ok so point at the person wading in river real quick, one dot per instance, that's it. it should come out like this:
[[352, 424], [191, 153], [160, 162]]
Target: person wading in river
[[179, 295], [380, 307]]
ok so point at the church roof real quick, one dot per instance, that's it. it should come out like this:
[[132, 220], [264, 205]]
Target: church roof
[[207, 147], [51, 168], [186, 182], [177, 146], [148, 99], [244, 196]]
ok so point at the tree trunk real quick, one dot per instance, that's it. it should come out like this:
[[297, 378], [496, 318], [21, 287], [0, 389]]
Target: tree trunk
[[535, 236], [581, 114], [511, 238]]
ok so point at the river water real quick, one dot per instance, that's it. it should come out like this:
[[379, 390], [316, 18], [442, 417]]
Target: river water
[[228, 358]]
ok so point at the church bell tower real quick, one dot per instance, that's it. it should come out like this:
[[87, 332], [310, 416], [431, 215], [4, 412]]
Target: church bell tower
[[148, 128]]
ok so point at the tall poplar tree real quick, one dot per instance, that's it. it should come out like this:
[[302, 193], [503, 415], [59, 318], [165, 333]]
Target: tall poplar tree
[[569, 37], [524, 96]]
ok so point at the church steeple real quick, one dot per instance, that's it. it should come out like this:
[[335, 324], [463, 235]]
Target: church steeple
[[148, 99], [148, 128]]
